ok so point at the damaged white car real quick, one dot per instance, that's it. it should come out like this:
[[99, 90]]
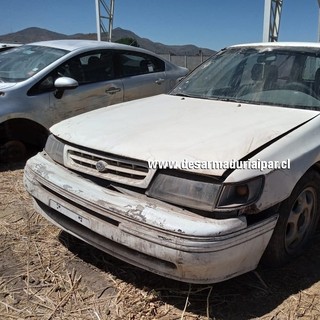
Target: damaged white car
[[200, 184]]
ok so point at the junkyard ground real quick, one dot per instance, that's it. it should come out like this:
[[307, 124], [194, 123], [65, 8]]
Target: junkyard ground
[[46, 274]]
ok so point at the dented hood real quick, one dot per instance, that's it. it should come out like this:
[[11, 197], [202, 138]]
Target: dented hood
[[175, 128]]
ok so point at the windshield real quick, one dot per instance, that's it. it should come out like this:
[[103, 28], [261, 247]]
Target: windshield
[[272, 76], [23, 62]]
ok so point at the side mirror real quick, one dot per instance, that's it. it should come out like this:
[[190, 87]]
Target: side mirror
[[64, 83]]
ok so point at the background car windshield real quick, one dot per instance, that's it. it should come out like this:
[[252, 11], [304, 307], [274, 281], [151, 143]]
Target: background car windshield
[[272, 76], [23, 62]]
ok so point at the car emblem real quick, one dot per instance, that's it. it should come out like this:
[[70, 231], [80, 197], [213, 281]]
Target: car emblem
[[101, 166]]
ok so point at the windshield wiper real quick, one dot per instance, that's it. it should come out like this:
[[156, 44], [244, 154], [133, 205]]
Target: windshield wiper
[[225, 99], [208, 97], [183, 95]]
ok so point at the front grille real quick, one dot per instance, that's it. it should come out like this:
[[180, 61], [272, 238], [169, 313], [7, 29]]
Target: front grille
[[109, 167]]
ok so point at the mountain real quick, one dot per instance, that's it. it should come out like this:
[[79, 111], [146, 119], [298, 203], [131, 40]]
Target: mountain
[[37, 34], [157, 47], [31, 35]]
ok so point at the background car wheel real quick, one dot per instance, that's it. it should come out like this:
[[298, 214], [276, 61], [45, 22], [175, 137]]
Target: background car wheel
[[13, 151], [298, 219]]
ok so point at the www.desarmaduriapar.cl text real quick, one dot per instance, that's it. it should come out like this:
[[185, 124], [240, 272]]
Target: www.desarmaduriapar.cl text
[[256, 164]]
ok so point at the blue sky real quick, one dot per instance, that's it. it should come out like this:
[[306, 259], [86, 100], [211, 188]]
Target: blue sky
[[206, 23]]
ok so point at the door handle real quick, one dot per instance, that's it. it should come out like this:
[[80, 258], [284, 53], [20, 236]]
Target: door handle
[[113, 90], [159, 81]]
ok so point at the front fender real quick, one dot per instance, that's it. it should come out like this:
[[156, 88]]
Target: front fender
[[299, 148]]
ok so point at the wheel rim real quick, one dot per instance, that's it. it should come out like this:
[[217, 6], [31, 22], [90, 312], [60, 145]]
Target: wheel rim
[[301, 218]]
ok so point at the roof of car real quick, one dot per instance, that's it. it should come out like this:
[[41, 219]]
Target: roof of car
[[72, 44], [314, 45]]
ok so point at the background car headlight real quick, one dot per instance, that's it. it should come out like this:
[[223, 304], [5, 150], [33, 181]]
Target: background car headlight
[[240, 194], [54, 148], [189, 191]]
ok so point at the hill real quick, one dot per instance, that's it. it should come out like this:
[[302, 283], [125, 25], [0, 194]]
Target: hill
[[37, 34]]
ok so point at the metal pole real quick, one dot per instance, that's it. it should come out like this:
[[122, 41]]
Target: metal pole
[[266, 20], [272, 17], [275, 28], [101, 5], [111, 20], [98, 20]]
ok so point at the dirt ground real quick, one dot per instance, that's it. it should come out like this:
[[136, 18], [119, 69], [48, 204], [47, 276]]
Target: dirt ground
[[47, 274]]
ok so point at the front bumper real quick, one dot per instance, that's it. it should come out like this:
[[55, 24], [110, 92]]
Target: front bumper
[[150, 234]]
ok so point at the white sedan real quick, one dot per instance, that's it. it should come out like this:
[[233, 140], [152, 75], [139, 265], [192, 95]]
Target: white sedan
[[201, 184]]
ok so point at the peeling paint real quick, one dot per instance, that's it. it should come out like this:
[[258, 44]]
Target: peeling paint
[[183, 253]]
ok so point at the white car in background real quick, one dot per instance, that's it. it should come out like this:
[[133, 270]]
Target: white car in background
[[200, 184], [36, 81]]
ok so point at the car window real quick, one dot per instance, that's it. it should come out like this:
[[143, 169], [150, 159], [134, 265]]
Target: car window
[[271, 76], [312, 65], [25, 61], [97, 66], [86, 68], [73, 69], [134, 63]]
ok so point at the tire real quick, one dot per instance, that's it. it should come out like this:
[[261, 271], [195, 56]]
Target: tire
[[13, 151], [297, 223]]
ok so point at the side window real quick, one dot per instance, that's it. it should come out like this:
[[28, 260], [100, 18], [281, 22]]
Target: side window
[[249, 74], [45, 85], [98, 66], [135, 63], [73, 68], [87, 68], [285, 63], [312, 65]]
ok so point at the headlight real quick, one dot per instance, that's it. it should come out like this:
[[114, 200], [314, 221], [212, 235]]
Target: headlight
[[240, 194], [197, 192], [54, 148], [189, 191]]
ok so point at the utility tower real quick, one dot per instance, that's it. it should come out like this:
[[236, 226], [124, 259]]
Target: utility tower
[[104, 12], [271, 21], [272, 17]]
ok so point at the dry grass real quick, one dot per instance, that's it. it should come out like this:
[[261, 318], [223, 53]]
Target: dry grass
[[45, 274]]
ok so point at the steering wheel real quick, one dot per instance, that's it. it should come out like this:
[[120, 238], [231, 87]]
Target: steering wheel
[[297, 86]]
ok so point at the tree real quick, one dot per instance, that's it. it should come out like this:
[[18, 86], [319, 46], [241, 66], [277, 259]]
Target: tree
[[129, 41]]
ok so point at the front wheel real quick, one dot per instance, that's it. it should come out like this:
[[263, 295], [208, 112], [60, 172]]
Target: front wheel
[[13, 151], [298, 219]]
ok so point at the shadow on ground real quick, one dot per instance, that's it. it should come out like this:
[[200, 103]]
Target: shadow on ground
[[252, 295], [12, 166]]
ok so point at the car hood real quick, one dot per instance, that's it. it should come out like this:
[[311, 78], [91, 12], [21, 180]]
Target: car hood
[[181, 129]]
